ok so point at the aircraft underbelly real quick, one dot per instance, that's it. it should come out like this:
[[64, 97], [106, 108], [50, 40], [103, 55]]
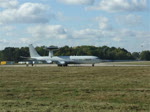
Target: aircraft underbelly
[[84, 62]]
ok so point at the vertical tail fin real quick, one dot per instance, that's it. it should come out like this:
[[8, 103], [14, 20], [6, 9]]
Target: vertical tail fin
[[33, 52]]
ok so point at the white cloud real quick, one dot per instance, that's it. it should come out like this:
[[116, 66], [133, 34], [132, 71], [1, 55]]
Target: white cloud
[[103, 23], [117, 39], [7, 28], [8, 3], [58, 35], [56, 32], [13, 43], [87, 34], [111, 36], [48, 32], [78, 2], [120, 5], [129, 20], [3, 41], [26, 13], [25, 41]]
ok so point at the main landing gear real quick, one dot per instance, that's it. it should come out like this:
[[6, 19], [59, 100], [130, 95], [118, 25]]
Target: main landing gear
[[64, 65]]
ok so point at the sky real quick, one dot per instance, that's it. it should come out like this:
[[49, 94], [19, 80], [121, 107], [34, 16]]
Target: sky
[[118, 23]]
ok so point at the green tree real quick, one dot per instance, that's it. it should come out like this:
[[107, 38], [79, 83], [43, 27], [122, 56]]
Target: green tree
[[145, 55], [136, 55]]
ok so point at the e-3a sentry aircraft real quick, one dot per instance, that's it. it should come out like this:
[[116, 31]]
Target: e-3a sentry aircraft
[[62, 60]]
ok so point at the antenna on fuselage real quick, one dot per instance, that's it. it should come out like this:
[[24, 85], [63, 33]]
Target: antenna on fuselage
[[51, 49]]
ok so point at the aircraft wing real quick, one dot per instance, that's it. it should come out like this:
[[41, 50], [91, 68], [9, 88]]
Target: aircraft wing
[[121, 60], [28, 58], [103, 60]]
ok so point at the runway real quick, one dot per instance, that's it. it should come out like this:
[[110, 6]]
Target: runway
[[143, 63]]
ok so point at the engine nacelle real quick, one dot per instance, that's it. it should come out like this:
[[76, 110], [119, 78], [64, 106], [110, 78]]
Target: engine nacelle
[[49, 62], [62, 63]]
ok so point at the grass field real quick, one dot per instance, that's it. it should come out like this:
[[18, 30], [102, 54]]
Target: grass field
[[74, 89], [133, 63]]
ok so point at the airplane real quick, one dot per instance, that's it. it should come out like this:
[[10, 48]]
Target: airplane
[[62, 60]]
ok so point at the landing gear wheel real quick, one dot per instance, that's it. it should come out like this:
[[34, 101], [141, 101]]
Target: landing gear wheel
[[59, 65], [65, 65]]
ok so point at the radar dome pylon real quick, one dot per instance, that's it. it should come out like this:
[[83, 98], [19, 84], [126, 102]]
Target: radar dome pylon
[[51, 49]]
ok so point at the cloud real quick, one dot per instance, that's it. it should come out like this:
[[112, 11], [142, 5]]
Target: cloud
[[3, 41], [78, 2], [103, 23], [118, 35], [57, 32], [129, 20], [27, 13], [58, 35], [7, 28], [87, 34], [120, 5], [41, 32], [8, 3], [48, 32], [25, 41], [13, 43], [117, 39]]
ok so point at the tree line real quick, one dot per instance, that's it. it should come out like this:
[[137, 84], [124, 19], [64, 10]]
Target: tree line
[[104, 52]]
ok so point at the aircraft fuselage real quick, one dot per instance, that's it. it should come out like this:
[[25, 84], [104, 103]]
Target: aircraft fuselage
[[71, 59]]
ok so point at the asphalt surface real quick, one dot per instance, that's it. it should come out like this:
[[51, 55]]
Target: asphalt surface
[[99, 64]]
